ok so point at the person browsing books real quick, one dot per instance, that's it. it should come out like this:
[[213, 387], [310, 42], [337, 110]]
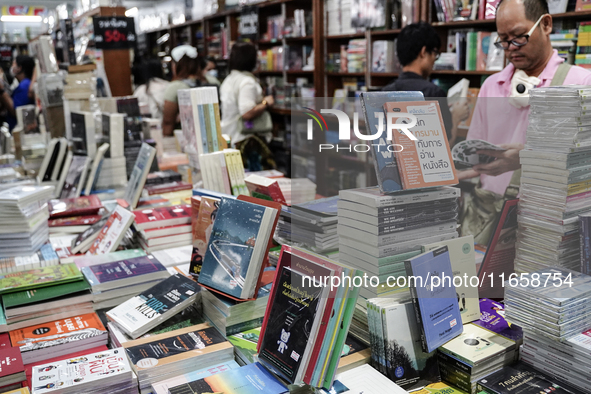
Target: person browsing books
[[417, 48], [501, 112], [22, 70]]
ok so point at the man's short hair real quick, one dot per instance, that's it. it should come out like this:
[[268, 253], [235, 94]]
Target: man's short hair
[[27, 65], [534, 9], [413, 38]]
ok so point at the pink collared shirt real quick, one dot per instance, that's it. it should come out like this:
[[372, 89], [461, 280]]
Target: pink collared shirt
[[498, 122]]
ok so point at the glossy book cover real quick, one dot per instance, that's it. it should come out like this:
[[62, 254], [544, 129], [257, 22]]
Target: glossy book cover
[[40, 277], [386, 166], [492, 318], [436, 307], [85, 205], [249, 379], [236, 247]]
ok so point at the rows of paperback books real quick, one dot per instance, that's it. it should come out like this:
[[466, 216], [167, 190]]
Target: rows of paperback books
[[252, 290]]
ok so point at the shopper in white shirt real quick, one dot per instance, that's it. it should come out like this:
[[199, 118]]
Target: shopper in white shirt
[[151, 94], [240, 94]]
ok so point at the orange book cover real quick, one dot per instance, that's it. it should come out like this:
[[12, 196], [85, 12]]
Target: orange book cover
[[482, 46], [195, 203], [36, 337], [204, 224], [426, 162]]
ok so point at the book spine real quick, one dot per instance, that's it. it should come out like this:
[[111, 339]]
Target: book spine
[[211, 128], [232, 173], [372, 336], [447, 359], [218, 128], [417, 307], [584, 223], [455, 379], [481, 389], [225, 173], [240, 173], [383, 338]]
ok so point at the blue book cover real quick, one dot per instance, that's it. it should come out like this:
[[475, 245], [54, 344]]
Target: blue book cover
[[249, 379], [436, 307], [384, 160], [237, 247]]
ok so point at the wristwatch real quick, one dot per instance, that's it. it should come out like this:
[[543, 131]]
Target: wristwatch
[[264, 102]]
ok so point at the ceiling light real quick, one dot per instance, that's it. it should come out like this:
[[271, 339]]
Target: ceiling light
[[21, 18]]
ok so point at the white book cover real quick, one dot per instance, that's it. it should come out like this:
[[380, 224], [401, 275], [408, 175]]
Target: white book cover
[[83, 133], [365, 379], [138, 176], [110, 236], [47, 158], [459, 90], [113, 127], [22, 195], [108, 368]]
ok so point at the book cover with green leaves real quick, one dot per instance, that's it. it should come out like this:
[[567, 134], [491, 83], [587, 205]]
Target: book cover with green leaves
[[39, 277], [246, 341], [27, 297]]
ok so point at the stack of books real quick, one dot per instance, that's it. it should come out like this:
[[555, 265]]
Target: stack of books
[[114, 282], [24, 214], [555, 179], [12, 370], [143, 312], [195, 348], [164, 227], [377, 232], [312, 225], [474, 354], [37, 280], [35, 306], [60, 337], [74, 215], [245, 345], [231, 317], [45, 257], [297, 190], [104, 372], [555, 319]]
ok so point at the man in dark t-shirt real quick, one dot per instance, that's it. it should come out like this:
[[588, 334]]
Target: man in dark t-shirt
[[417, 48]]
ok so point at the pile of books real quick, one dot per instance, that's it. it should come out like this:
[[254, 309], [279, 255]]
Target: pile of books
[[312, 225], [558, 343], [377, 232], [163, 227], [356, 56], [195, 348], [42, 295], [74, 215], [41, 342], [114, 282], [104, 372], [474, 354], [24, 214], [12, 370], [231, 317], [297, 190], [555, 179]]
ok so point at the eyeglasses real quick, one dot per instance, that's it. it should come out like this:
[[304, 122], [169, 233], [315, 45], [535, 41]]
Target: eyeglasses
[[519, 41], [437, 54]]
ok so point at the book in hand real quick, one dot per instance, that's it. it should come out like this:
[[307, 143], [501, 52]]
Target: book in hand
[[12, 369], [145, 311], [161, 217], [40, 277], [436, 307], [122, 273], [105, 372], [112, 232], [59, 337], [465, 154], [237, 247], [80, 206], [249, 379], [386, 167], [140, 171], [426, 162]]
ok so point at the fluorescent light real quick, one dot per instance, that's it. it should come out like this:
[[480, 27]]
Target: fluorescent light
[[21, 18], [131, 12]]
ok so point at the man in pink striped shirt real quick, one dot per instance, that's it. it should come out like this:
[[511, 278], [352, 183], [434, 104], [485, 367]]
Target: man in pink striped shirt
[[524, 28]]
